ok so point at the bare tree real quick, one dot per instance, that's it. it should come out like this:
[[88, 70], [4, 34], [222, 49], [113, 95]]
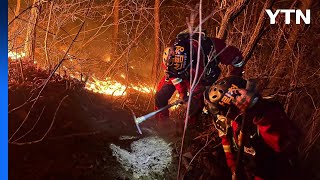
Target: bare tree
[[16, 12], [291, 41], [229, 17], [116, 19], [30, 36], [156, 63], [257, 33]]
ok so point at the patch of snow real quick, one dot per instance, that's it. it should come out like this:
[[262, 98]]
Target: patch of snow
[[148, 156]]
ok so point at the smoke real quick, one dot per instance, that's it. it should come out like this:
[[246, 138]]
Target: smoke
[[149, 156]]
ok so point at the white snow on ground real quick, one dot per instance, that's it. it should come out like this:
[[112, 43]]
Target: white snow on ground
[[150, 155]]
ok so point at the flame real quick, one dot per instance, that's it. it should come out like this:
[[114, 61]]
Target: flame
[[172, 100], [113, 87], [16, 55], [108, 87], [107, 58], [142, 89]]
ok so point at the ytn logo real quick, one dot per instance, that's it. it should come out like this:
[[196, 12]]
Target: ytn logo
[[299, 15]]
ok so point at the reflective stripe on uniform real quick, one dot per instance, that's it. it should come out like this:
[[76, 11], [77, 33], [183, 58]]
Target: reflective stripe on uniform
[[240, 136], [226, 148], [176, 81], [239, 64]]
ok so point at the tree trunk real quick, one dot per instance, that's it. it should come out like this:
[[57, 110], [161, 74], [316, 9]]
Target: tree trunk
[[116, 19], [29, 45], [257, 33], [16, 12], [48, 62], [156, 63], [114, 48], [229, 17]]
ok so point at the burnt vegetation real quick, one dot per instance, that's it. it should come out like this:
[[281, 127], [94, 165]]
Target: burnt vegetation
[[78, 68]]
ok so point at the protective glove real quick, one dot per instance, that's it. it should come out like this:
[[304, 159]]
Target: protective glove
[[245, 100], [222, 125], [184, 97], [168, 75], [234, 176]]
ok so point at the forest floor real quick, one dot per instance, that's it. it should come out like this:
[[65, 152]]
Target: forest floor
[[72, 133], [78, 128]]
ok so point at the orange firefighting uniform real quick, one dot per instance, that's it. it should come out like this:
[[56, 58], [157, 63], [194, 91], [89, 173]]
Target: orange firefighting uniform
[[270, 139], [226, 55]]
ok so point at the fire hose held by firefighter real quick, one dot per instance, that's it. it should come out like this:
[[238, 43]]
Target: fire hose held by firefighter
[[252, 127]]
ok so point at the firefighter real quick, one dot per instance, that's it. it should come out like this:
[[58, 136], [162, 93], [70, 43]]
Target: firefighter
[[268, 136], [177, 64]]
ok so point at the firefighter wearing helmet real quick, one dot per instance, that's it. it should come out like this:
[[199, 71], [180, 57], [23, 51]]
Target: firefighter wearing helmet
[[180, 63], [242, 116]]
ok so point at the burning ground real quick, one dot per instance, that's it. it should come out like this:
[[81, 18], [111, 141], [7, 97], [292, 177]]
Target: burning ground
[[72, 132], [68, 131]]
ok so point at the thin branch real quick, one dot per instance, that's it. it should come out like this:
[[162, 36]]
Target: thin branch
[[27, 101], [35, 5], [229, 17], [50, 76], [34, 125], [50, 127], [257, 33], [46, 38], [191, 90]]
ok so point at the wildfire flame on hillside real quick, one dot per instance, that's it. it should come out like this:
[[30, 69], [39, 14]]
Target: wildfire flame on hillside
[[112, 87], [16, 55], [108, 86]]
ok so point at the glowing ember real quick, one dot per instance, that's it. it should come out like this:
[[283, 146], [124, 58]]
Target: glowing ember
[[174, 99], [15, 55], [107, 58], [109, 87], [142, 89], [112, 87]]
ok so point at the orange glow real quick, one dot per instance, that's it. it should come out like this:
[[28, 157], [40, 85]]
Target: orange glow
[[115, 88], [108, 87], [174, 99], [15, 55], [143, 89], [106, 58]]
